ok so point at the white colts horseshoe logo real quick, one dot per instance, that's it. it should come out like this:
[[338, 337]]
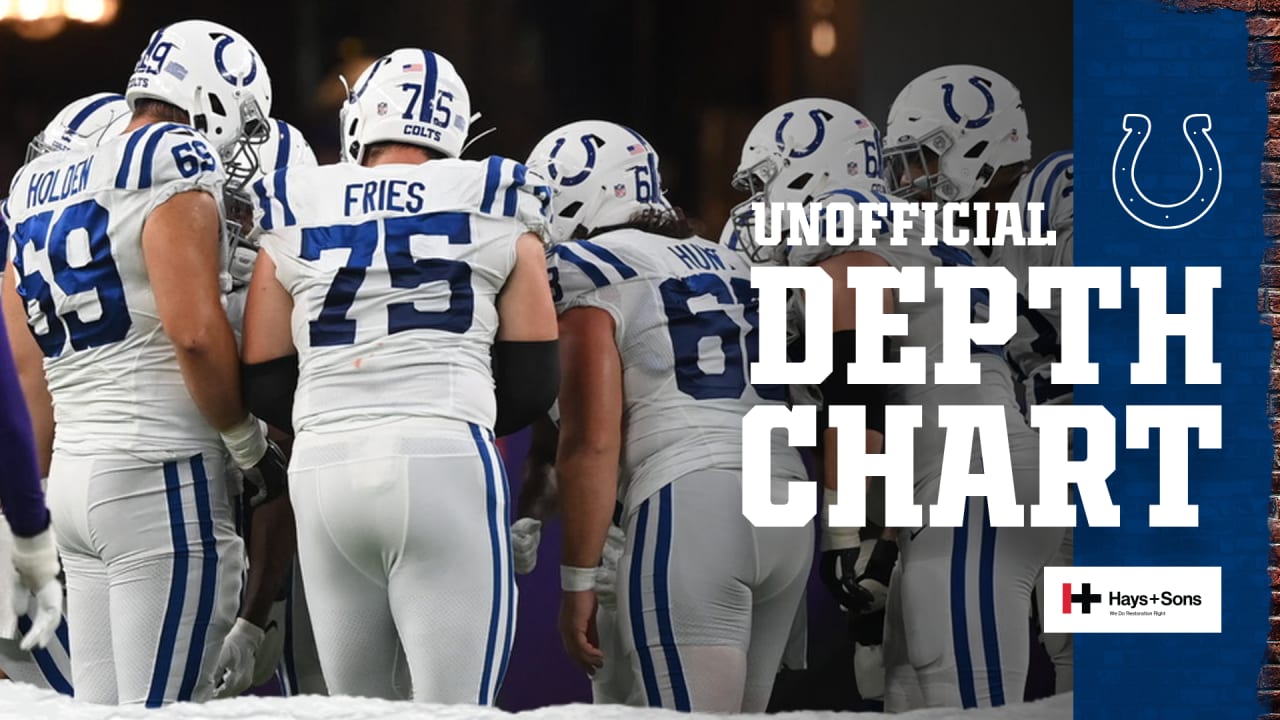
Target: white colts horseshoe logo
[[1167, 216]]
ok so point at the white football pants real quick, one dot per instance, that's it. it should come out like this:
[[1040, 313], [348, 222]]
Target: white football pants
[[405, 548], [708, 600], [153, 567]]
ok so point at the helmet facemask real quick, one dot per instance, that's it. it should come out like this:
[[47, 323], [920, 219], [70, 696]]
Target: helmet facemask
[[38, 147], [240, 158], [237, 224], [758, 180], [908, 163], [971, 121]]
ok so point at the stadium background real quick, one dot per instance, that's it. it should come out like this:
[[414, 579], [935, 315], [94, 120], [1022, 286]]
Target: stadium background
[[690, 76]]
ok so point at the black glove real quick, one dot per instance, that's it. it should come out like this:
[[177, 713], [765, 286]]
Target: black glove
[[837, 571], [269, 479], [880, 565], [875, 576]]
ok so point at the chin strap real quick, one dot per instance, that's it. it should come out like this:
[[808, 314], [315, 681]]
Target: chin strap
[[473, 139]]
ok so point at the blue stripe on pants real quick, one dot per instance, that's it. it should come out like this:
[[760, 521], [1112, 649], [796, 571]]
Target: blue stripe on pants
[[511, 577], [48, 666], [959, 624], [987, 604], [177, 588], [662, 600], [208, 580], [491, 506], [637, 609]]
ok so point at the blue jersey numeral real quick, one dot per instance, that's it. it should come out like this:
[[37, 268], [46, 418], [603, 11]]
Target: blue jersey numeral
[[98, 275], [749, 298], [333, 327], [553, 277], [688, 329], [406, 272], [192, 157]]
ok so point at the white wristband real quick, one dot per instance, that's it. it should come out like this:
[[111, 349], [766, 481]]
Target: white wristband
[[246, 442], [836, 538], [577, 579]]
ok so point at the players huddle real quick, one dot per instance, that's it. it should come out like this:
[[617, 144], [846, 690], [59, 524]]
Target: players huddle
[[198, 294]]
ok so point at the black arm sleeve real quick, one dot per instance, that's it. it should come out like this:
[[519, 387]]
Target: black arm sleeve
[[527, 379], [268, 390], [836, 389]]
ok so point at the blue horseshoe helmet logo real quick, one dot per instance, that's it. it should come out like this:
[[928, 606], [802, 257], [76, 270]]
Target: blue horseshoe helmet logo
[[587, 142], [983, 85], [819, 117], [221, 47], [1167, 216]]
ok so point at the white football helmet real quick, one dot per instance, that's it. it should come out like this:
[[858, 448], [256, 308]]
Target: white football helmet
[[409, 96], [600, 173], [217, 77], [967, 117], [799, 150], [82, 125], [285, 148]]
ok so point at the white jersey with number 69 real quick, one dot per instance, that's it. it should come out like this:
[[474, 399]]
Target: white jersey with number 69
[[76, 222], [395, 272]]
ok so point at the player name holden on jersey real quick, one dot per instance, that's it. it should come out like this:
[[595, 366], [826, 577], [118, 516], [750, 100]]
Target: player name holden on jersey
[[57, 184], [841, 222], [1076, 287]]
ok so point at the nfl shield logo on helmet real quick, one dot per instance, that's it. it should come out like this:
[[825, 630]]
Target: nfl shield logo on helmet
[[620, 190], [851, 168], [382, 108]]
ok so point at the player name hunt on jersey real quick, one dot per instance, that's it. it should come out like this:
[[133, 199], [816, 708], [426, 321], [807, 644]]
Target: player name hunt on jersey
[[1076, 287], [862, 218]]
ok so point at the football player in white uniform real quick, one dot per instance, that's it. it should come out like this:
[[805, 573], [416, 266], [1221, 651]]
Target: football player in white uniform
[[658, 326], [1038, 343], [117, 259], [943, 147], [811, 145], [272, 635], [393, 277], [964, 591], [80, 126]]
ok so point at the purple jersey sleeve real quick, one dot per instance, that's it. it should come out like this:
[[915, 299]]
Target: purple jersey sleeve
[[20, 493]]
